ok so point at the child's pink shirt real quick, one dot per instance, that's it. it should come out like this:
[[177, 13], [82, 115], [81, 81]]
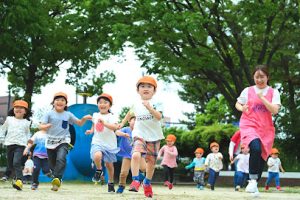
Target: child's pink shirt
[[169, 156]]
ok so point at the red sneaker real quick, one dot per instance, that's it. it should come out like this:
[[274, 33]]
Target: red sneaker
[[134, 186], [278, 188], [170, 186], [166, 183], [148, 190], [266, 187]]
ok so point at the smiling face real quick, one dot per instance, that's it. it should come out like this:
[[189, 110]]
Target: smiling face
[[59, 104], [260, 79], [104, 105], [146, 91], [19, 112], [170, 143]]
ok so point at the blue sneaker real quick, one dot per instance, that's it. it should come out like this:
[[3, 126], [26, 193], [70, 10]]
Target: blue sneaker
[[120, 189], [198, 186], [201, 187]]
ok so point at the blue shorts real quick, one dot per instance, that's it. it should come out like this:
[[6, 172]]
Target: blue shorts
[[107, 156]]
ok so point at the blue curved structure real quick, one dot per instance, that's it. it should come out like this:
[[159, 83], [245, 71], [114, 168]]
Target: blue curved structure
[[79, 163]]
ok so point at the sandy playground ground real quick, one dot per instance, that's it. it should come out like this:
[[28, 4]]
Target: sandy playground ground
[[87, 191]]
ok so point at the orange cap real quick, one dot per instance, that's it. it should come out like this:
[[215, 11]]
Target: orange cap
[[274, 151], [21, 103], [147, 79], [105, 95], [61, 94], [171, 137], [213, 144], [199, 150]]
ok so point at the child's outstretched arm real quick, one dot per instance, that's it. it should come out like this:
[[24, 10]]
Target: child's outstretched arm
[[81, 121], [122, 134], [125, 119], [27, 148], [191, 165], [281, 168]]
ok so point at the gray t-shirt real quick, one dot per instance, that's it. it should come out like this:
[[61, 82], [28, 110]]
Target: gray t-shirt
[[58, 133]]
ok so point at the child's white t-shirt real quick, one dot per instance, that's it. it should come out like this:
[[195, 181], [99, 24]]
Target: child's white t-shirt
[[18, 131], [275, 162], [243, 163], [146, 126], [107, 137], [214, 162]]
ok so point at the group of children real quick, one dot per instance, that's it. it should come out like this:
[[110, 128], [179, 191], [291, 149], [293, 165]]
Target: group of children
[[139, 145]]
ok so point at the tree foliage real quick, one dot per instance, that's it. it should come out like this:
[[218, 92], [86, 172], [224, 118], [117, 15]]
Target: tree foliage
[[37, 37], [211, 48]]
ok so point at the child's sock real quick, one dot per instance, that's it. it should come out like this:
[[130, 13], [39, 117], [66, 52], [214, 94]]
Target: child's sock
[[147, 181], [136, 178]]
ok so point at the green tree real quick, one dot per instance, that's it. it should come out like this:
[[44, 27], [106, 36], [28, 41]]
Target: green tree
[[37, 37], [211, 48]]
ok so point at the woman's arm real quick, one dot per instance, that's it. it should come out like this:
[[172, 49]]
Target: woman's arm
[[273, 108]]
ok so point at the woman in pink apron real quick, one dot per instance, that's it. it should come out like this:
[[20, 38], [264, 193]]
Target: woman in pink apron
[[257, 104]]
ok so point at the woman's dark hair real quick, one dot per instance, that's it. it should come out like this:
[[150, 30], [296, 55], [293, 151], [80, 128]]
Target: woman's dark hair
[[27, 115], [106, 99], [66, 107], [264, 69]]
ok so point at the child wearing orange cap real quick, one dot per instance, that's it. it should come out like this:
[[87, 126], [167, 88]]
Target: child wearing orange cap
[[199, 168], [169, 153], [274, 165], [104, 141], [242, 167], [16, 127], [214, 163], [146, 134], [57, 123]]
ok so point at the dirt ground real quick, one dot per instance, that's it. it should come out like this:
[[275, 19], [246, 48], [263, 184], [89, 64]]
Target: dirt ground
[[89, 191]]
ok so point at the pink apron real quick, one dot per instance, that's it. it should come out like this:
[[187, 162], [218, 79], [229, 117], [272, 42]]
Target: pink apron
[[257, 122]]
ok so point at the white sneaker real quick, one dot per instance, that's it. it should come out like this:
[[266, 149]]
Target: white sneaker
[[252, 186]]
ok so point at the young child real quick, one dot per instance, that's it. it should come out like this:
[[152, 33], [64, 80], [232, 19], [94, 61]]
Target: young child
[[125, 145], [56, 123], [199, 168], [274, 164], [242, 167], [27, 171], [40, 157], [17, 126], [169, 153], [147, 133], [214, 163], [104, 142]]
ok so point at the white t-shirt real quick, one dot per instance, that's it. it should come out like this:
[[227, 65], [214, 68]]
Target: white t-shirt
[[18, 131], [146, 126], [107, 137], [28, 165], [214, 162], [275, 162], [243, 162], [243, 98]]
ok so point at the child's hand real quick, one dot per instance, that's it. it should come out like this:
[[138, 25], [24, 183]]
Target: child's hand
[[282, 171], [25, 152], [126, 135], [120, 125], [88, 117], [47, 126], [245, 108], [88, 132], [146, 104]]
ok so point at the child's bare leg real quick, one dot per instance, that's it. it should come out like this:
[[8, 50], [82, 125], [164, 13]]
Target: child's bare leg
[[150, 167], [143, 164], [135, 163], [110, 170], [97, 160]]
